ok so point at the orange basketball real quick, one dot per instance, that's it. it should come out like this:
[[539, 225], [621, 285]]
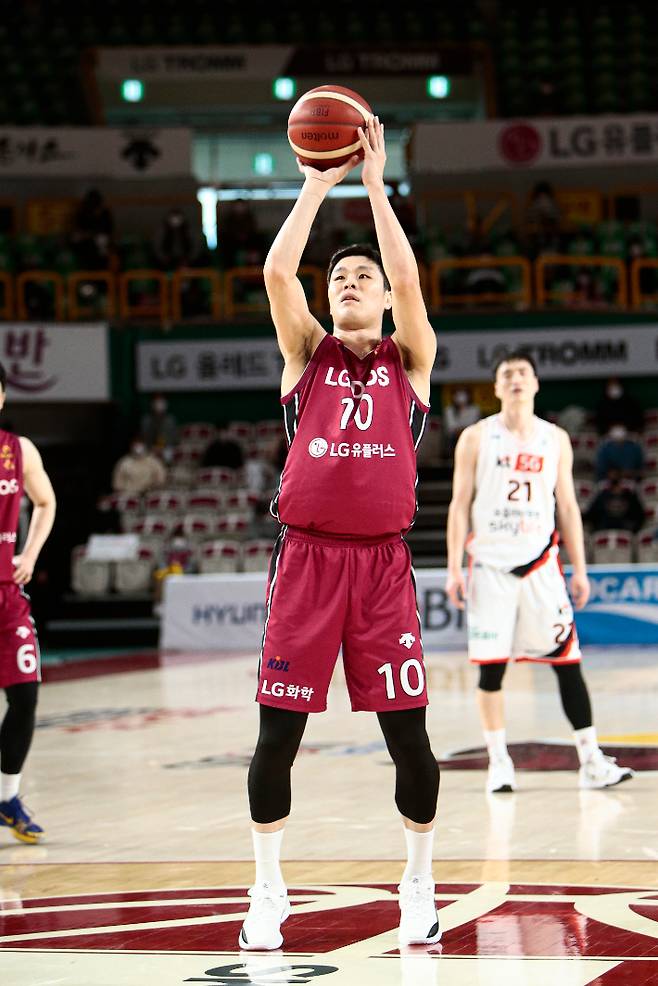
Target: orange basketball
[[322, 126]]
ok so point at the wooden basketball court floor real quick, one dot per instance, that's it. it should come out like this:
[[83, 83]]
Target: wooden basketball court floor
[[138, 773]]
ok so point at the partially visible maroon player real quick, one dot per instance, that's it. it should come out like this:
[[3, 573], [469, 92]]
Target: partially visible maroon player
[[21, 470], [355, 406]]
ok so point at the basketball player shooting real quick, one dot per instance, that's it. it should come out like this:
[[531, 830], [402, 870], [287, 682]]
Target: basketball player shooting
[[513, 474], [354, 406]]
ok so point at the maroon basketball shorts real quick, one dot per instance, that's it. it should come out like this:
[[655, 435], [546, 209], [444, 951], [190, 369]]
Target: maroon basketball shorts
[[19, 648], [326, 592]]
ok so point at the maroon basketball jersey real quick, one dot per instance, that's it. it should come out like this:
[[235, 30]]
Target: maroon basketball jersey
[[353, 426], [11, 491]]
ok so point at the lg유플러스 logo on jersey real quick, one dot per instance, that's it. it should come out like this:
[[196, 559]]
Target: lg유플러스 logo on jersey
[[317, 447], [407, 640]]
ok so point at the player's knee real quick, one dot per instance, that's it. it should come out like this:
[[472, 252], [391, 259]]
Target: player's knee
[[22, 698], [491, 677]]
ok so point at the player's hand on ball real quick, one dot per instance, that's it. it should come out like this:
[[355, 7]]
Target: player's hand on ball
[[456, 589], [330, 177], [580, 590], [374, 151], [23, 569]]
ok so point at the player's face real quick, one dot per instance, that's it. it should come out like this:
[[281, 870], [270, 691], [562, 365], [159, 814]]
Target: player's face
[[515, 381], [356, 292]]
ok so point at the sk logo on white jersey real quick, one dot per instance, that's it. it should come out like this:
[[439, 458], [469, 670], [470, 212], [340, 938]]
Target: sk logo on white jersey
[[408, 640], [23, 632]]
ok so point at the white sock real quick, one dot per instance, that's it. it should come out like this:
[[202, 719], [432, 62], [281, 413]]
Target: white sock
[[9, 785], [419, 853], [587, 745], [496, 745], [267, 853]]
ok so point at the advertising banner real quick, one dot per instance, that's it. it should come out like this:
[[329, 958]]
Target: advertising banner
[[234, 364], [560, 353], [542, 144], [266, 62], [103, 152], [227, 612], [51, 362]]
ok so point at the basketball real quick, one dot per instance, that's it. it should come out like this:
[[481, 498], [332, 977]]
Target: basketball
[[322, 126]]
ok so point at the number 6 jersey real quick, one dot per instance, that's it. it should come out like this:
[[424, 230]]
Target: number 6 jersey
[[513, 511], [353, 426]]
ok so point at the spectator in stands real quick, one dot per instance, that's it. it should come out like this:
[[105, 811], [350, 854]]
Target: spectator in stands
[[159, 427], [224, 450], [258, 473], [618, 452], [617, 407], [93, 227], [139, 471], [482, 279], [459, 414], [543, 213], [616, 506], [239, 240], [174, 246]]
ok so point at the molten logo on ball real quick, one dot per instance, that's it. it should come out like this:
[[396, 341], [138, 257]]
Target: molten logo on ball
[[323, 123]]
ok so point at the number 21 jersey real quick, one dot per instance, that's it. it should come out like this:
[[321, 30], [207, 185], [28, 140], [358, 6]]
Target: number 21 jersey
[[513, 511], [353, 426]]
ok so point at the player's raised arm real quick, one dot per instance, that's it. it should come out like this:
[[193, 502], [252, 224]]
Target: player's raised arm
[[463, 487], [298, 331], [570, 523], [413, 334]]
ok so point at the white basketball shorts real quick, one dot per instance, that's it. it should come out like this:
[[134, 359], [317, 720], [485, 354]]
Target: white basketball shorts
[[528, 618]]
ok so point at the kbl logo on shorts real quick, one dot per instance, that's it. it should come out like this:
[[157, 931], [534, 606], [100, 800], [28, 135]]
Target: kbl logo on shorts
[[317, 447]]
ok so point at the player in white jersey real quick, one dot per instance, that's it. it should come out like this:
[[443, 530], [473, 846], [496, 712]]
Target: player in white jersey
[[512, 481]]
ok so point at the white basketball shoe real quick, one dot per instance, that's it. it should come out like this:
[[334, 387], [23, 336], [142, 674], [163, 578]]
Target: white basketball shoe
[[419, 922], [601, 771], [500, 776], [268, 910]]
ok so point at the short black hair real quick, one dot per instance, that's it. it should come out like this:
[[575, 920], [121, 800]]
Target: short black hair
[[359, 250], [3, 378], [513, 357]]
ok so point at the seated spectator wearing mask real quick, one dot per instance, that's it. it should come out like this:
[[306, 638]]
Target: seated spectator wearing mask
[[459, 414], [616, 506], [617, 407], [139, 471], [619, 453]]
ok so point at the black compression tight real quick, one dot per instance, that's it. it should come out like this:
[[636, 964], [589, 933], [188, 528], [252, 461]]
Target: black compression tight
[[416, 769], [281, 731], [268, 782], [17, 727], [574, 694], [573, 690]]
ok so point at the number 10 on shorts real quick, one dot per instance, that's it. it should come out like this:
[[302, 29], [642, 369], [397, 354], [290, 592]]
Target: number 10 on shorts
[[407, 687]]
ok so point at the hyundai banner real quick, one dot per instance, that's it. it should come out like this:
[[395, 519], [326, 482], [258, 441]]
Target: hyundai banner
[[226, 612]]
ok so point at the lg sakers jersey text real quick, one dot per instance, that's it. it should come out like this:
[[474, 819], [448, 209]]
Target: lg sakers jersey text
[[11, 492], [513, 512], [353, 426]]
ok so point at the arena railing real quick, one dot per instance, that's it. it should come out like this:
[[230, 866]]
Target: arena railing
[[640, 297], [544, 294], [521, 297], [163, 293]]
